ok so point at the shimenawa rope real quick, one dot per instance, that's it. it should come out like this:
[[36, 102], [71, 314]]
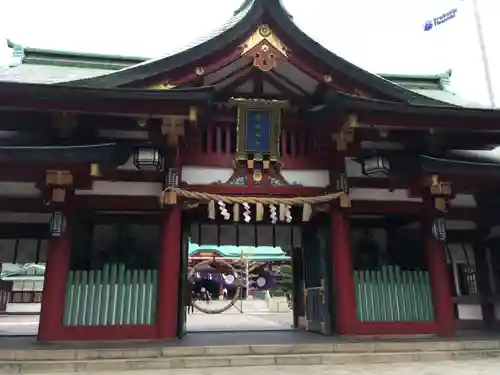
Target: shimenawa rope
[[251, 200]]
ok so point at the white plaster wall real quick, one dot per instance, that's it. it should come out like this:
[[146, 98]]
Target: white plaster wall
[[195, 175], [16, 308], [382, 195], [307, 178], [463, 200], [123, 188], [469, 312], [19, 189]]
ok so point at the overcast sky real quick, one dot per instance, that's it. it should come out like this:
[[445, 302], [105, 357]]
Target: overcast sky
[[382, 36]]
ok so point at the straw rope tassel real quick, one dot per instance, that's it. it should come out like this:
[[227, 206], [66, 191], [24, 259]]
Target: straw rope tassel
[[282, 212], [259, 212], [211, 210], [345, 201], [306, 212], [236, 212]]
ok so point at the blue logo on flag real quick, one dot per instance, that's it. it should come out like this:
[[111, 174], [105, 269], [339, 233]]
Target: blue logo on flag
[[436, 21], [428, 25]]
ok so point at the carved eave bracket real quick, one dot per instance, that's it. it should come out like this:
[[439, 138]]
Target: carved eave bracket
[[265, 48], [440, 192], [173, 127], [58, 182], [346, 134], [161, 86]]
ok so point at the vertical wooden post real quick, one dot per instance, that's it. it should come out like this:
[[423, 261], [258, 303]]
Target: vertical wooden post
[[346, 317], [168, 274], [439, 277], [54, 287]]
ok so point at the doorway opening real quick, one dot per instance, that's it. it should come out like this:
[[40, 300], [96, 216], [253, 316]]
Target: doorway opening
[[252, 276]]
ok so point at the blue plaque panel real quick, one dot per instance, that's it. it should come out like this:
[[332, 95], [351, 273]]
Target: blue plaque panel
[[258, 131]]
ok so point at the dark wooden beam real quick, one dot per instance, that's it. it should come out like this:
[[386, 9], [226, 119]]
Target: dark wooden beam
[[190, 73], [318, 95], [288, 81], [235, 72], [277, 84], [239, 81], [258, 84]]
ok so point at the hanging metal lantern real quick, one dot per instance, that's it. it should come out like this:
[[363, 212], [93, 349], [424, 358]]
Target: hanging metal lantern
[[148, 159], [172, 178], [376, 166], [342, 184], [439, 229], [57, 224]]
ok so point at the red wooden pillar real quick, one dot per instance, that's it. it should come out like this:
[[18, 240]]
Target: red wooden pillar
[[169, 274], [54, 287], [439, 279], [346, 317]]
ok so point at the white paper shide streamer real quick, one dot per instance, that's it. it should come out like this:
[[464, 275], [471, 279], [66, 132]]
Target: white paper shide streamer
[[273, 213], [247, 214], [223, 210], [288, 214]]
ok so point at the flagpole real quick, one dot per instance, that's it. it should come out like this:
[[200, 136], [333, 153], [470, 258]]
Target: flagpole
[[484, 56]]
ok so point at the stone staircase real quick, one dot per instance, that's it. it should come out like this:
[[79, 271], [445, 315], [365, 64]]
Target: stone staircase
[[52, 360]]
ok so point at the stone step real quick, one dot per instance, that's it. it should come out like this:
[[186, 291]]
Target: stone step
[[152, 351], [185, 362]]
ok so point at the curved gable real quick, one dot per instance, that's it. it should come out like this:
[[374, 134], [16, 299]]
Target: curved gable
[[231, 35]]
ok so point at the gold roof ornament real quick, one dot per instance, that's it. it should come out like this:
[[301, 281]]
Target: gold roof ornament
[[161, 86], [265, 48]]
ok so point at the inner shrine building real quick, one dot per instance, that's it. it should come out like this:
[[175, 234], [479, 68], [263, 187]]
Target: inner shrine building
[[381, 187]]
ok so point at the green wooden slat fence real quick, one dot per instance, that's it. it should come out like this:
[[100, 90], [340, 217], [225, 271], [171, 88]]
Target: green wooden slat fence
[[393, 295], [110, 296]]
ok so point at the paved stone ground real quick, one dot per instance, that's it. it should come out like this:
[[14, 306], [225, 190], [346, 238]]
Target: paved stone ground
[[18, 325], [27, 325], [236, 321], [473, 367]]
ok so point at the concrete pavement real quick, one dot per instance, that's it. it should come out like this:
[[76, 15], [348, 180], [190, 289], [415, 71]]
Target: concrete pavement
[[18, 325], [471, 367], [236, 321]]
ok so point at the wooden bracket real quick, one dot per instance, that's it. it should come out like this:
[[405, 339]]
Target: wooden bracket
[[346, 134], [58, 182], [193, 115], [173, 128], [58, 178], [345, 201], [440, 192], [438, 187]]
